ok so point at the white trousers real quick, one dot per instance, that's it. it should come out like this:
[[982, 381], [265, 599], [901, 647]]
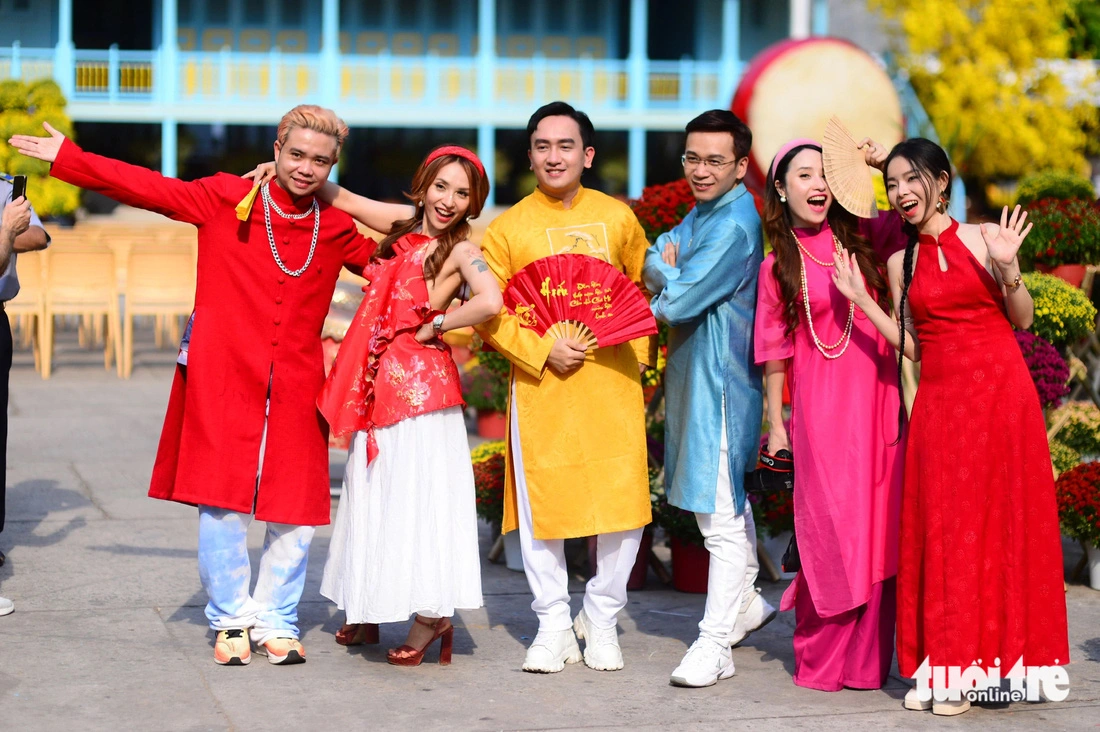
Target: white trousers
[[730, 537], [544, 561]]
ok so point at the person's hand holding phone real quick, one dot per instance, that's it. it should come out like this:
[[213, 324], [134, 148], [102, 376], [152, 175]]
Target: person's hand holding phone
[[18, 187], [16, 220]]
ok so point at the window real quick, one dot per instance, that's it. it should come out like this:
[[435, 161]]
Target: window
[[183, 11], [408, 14], [217, 11], [370, 12], [22, 4], [592, 17], [291, 12], [443, 14], [557, 16], [255, 11]]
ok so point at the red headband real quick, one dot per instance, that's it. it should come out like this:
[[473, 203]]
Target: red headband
[[460, 152]]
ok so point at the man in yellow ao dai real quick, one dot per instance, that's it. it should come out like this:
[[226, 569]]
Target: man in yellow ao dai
[[576, 446]]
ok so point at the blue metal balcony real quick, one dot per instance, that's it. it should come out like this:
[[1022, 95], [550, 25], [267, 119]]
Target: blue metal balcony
[[425, 91]]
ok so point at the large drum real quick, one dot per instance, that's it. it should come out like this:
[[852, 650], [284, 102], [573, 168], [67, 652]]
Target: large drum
[[792, 88]]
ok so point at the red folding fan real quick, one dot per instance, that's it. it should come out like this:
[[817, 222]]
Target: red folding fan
[[579, 297]]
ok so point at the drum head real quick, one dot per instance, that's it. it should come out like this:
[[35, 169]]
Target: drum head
[[792, 88]]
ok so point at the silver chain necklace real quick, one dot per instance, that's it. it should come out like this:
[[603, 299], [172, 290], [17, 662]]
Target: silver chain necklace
[[270, 204]]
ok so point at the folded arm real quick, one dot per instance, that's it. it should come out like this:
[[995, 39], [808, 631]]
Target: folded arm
[[711, 272], [656, 272]]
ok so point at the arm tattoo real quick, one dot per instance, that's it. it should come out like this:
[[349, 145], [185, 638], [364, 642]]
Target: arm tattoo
[[478, 262]]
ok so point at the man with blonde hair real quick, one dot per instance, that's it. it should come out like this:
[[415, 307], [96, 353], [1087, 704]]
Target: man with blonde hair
[[242, 436]]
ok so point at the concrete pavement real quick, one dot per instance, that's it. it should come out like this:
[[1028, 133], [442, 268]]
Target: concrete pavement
[[109, 631]]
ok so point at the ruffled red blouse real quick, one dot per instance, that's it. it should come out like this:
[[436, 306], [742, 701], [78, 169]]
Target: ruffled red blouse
[[382, 374]]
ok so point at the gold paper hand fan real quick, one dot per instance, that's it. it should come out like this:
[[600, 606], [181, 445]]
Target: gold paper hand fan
[[846, 170]]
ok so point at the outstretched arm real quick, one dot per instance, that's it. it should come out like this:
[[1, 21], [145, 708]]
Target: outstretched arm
[[194, 202], [374, 214]]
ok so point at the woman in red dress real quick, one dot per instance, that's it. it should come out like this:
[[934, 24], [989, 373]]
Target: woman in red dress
[[405, 542], [980, 561]]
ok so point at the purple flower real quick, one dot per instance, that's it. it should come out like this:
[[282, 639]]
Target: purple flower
[[1048, 369]]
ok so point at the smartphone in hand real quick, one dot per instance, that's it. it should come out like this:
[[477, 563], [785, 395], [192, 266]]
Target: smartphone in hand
[[18, 187]]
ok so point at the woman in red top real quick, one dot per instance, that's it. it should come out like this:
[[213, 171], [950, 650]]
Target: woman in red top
[[405, 537], [980, 556]]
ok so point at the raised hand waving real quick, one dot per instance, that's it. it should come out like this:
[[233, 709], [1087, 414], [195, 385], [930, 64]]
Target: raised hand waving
[[1004, 242]]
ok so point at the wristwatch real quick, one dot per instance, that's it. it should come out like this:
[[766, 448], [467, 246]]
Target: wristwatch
[[437, 324]]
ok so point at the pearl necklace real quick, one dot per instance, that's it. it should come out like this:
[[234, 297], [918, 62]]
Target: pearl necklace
[[846, 338], [270, 204]]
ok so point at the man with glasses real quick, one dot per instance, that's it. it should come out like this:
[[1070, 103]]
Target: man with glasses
[[703, 277]]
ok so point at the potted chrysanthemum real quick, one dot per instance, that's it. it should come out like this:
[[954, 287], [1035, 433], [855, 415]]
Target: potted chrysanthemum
[[1078, 492]]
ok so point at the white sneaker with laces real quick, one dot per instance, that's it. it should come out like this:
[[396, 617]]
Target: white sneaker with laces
[[601, 645], [756, 612], [7, 607], [704, 664], [551, 650]]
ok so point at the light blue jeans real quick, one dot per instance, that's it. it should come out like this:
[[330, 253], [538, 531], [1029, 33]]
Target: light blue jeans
[[272, 610]]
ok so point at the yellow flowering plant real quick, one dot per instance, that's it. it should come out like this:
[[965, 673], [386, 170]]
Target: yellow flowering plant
[[1063, 314]]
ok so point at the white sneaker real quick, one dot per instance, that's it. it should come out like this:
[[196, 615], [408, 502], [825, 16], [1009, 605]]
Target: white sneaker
[[601, 645], [7, 607], [755, 613], [551, 650], [913, 701], [704, 664]]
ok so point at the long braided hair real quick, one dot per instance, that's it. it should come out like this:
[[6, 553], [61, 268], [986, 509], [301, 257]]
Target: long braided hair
[[929, 161]]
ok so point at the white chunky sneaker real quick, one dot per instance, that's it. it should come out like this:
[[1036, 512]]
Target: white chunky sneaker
[[551, 650], [756, 612], [705, 663], [7, 607], [601, 645]]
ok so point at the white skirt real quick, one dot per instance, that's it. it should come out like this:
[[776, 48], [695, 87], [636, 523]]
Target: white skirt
[[405, 537]]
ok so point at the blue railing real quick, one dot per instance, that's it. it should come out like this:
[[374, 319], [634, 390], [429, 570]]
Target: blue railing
[[227, 85]]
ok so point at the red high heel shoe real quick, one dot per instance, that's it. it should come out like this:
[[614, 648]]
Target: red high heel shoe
[[406, 655], [355, 634]]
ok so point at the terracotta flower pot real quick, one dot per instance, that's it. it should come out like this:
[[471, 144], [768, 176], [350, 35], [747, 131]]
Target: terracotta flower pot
[[1074, 274], [492, 425], [690, 566]]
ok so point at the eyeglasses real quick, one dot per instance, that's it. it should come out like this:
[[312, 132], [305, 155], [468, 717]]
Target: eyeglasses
[[690, 162]]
